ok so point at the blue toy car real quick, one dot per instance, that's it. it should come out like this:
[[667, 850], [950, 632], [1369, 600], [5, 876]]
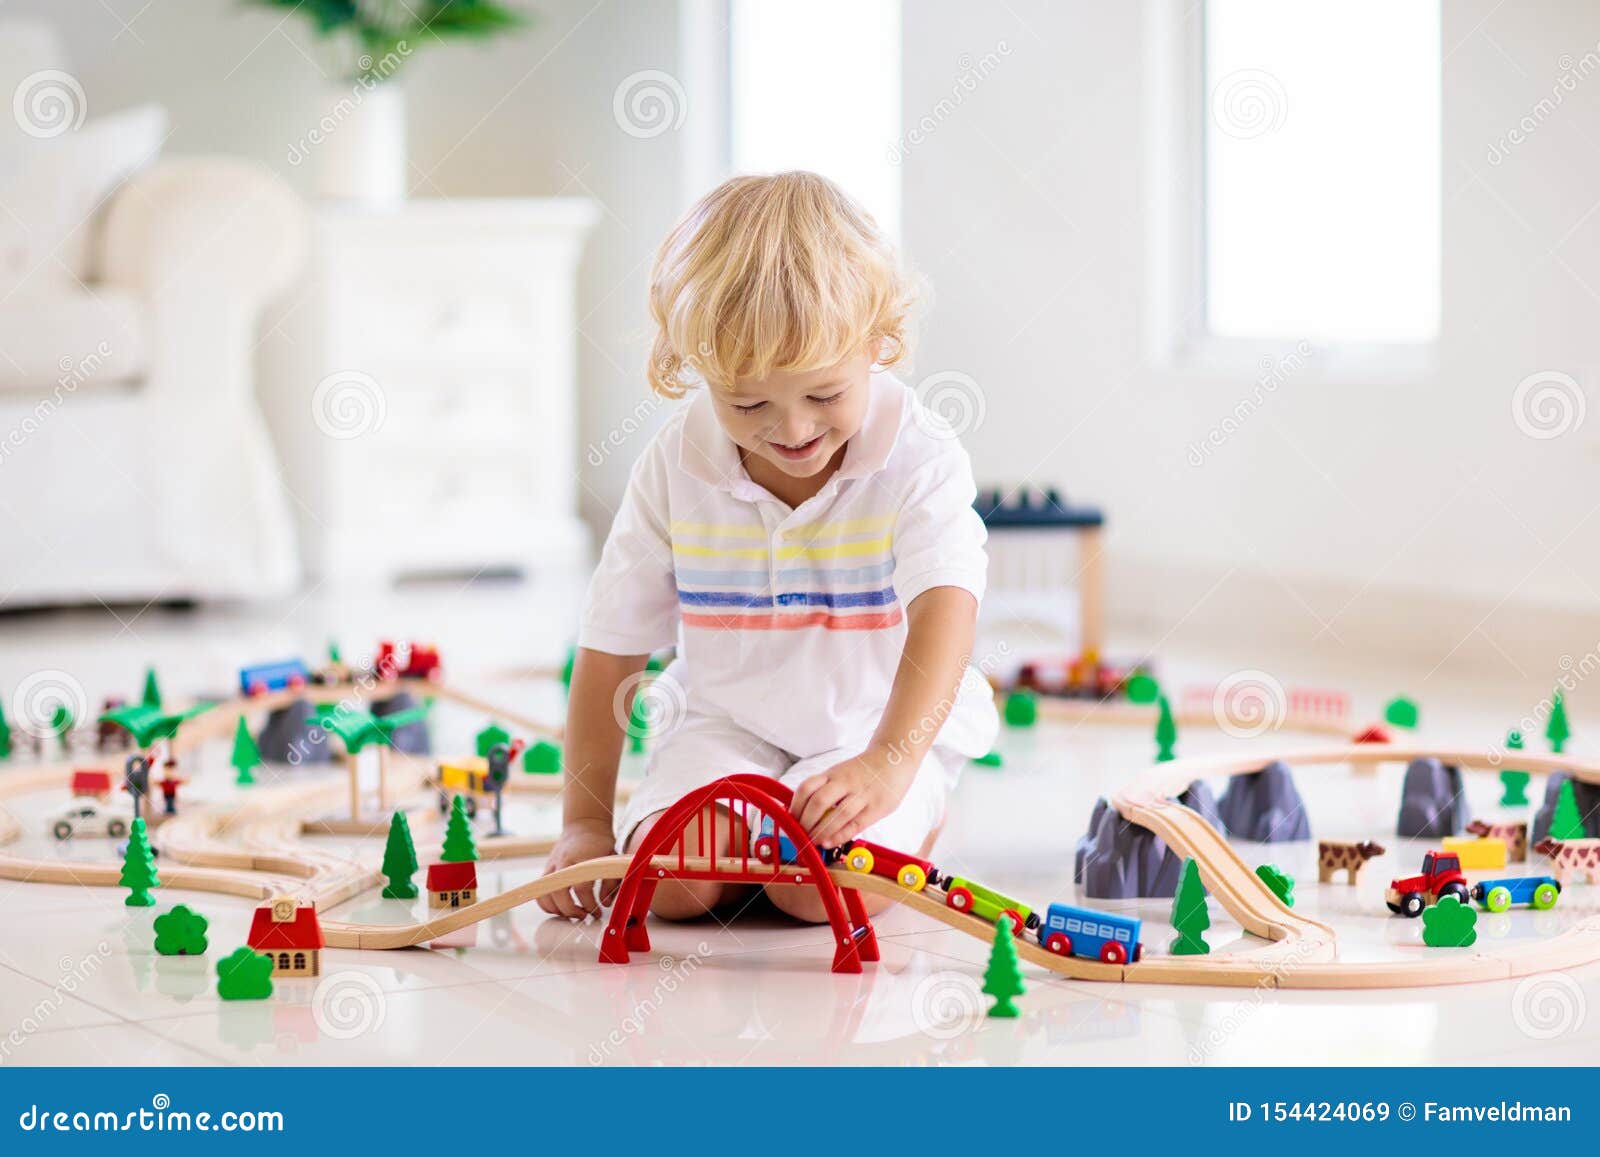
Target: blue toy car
[[264, 677], [1538, 892], [772, 845], [1069, 931]]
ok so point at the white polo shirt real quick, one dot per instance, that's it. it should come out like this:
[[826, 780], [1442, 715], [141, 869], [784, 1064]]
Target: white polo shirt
[[791, 622]]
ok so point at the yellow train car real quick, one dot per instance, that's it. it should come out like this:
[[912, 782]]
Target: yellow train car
[[468, 778], [1477, 851]]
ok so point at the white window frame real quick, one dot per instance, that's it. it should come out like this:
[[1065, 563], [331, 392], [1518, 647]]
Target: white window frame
[[1176, 334]]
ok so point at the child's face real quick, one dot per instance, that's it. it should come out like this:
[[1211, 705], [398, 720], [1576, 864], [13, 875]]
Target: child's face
[[798, 422]]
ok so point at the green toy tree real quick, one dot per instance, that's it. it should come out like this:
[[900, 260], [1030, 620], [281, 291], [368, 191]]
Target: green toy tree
[[1513, 783], [139, 868], [1190, 918], [1567, 821], [638, 724], [1141, 687], [1166, 731], [991, 758], [152, 690], [1003, 980], [246, 755], [1449, 924], [400, 860], [1401, 712], [458, 843], [244, 974], [566, 668], [543, 758], [490, 736], [1556, 730], [5, 734], [1279, 881], [1022, 708], [61, 724], [181, 932]]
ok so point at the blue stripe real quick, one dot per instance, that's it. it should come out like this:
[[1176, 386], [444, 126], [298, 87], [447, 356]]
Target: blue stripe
[[757, 578], [833, 601]]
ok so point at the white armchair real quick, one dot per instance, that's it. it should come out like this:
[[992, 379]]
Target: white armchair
[[134, 460]]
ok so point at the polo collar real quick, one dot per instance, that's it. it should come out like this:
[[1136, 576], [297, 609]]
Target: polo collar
[[710, 455]]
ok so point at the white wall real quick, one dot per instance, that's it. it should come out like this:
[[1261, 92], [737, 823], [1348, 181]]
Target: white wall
[[1404, 510]]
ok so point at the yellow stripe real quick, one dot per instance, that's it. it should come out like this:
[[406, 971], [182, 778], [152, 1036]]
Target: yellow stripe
[[808, 530], [813, 553]]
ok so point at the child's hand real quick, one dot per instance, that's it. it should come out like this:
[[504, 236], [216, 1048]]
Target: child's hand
[[836, 804], [579, 841]]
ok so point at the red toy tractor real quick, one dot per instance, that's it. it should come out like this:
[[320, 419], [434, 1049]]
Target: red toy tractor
[[1441, 876]]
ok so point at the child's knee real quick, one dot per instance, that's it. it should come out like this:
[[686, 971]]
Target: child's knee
[[804, 903], [690, 899]]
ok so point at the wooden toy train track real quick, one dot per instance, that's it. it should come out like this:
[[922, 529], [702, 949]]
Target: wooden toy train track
[[265, 856]]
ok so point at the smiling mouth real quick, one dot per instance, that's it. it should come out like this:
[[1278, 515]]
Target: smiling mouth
[[795, 453]]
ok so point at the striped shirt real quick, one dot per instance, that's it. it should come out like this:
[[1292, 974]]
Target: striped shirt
[[791, 622]]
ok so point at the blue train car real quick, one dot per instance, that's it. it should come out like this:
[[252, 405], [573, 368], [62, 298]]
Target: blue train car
[[772, 842], [1539, 892], [264, 677], [1069, 931]]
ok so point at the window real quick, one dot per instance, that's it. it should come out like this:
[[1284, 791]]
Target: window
[[299, 960], [1321, 178], [815, 84]]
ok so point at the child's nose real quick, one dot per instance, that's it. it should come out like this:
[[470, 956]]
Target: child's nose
[[794, 431]]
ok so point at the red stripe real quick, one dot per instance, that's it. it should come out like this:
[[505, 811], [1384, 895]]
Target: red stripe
[[771, 622]]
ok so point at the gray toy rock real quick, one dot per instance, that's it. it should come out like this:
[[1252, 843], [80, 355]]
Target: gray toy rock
[[1432, 802], [286, 737], [1587, 797], [413, 738], [1118, 860], [1265, 806]]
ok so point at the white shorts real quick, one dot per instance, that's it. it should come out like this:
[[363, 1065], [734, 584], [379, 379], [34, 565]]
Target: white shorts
[[702, 749]]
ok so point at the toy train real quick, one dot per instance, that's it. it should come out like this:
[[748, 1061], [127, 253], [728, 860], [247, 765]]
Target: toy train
[[1064, 930], [1085, 676], [393, 661]]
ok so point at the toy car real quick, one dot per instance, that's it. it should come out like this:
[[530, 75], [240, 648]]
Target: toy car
[[86, 816], [1440, 876], [1540, 892], [264, 677], [910, 872], [407, 660], [772, 845], [1069, 931], [966, 896]]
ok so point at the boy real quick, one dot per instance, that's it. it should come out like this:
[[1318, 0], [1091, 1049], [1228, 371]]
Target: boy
[[803, 529]]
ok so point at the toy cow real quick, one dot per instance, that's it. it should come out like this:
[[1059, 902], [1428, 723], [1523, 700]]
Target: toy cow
[[1348, 857], [1515, 836], [1572, 859]]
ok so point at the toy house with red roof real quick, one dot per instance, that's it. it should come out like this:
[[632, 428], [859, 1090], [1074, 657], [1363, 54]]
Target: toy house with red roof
[[289, 933], [93, 782], [452, 885]]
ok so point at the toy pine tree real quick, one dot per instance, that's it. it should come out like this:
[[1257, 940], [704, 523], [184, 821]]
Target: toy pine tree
[[1567, 822], [5, 733], [1514, 784], [400, 860], [458, 844], [1003, 980], [1557, 731], [1166, 732], [152, 690], [61, 724], [246, 755], [139, 868], [1189, 916], [490, 736], [638, 724]]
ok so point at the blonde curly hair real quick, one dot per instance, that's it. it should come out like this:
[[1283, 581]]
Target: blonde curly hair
[[779, 272]]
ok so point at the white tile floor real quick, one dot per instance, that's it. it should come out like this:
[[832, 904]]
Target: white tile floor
[[79, 982]]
